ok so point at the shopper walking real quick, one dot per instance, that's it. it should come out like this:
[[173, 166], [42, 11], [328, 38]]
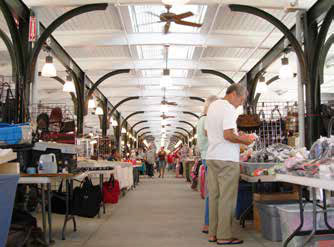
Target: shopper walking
[[162, 162], [183, 158], [150, 160], [222, 161], [202, 142]]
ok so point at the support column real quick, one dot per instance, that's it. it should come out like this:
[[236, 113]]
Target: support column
[[301, 109], [105, 121], [34, 85]]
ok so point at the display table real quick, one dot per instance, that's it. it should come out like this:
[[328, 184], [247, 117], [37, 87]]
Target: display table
[[321, 182], [47, 179], [257, 179]]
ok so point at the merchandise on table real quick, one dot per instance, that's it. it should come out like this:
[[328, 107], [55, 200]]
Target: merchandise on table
[[12, 134]]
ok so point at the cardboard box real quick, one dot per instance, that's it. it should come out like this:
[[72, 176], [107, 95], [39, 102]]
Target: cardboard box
[[10, 168], [270, 197]]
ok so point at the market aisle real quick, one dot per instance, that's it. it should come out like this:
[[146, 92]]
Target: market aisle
[[158, 213]]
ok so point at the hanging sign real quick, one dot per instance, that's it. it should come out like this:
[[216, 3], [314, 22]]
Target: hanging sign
[[32, 29]]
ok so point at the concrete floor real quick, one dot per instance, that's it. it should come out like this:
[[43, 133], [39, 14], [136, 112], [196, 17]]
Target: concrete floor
[[158, 213]]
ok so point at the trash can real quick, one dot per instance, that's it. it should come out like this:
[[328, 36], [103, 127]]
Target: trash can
[[8, 184], [244, 200], [270, 218]]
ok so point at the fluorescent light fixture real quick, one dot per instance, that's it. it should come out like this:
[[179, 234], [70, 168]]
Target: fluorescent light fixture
[[178, 144], [123, 131], [49, 69], [69, 85], [175, 2], [285, 71], [99, 111], [91, 103]]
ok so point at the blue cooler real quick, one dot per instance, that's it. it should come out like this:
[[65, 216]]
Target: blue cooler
[[8, 184]]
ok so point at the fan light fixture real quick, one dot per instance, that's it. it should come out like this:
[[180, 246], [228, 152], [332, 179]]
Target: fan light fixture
[[99, 111], [49, 69], [175, 2], [164, 108], [285, 71], [69, 85], [165, 80], [91, 103]]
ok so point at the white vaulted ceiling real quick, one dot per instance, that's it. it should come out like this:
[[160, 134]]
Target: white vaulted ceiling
[[103, 41]]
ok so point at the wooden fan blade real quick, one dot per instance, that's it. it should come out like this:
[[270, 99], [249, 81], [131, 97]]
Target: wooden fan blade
[[187, 23], [183, 15], [166, 27]]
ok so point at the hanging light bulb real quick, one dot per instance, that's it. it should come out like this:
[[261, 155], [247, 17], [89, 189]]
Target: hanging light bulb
[[285, 71], [123, 131], [69, 85], [166, 81], [91, 103], [175, 2], [163, 122], [98, 111], [114, 122], [49, 69], [262, 86]]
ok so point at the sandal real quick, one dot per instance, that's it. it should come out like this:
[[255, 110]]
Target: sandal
[[229, 242], [212, 240]]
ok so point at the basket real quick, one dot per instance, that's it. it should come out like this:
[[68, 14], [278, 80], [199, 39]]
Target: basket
[[248, 168]]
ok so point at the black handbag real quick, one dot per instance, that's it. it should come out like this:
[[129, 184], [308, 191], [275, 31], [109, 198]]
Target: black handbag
[[87, 199], [58, 201]]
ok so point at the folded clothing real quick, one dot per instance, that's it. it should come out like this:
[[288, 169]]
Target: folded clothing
[[11, 133]]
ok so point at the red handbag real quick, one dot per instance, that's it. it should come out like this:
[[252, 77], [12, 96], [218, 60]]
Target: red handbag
[[111, 191]]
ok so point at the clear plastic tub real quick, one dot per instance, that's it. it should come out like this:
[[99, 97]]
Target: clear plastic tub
[[270, 218], [290, 220], [248, 168]]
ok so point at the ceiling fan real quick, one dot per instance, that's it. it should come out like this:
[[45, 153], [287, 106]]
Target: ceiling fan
[[170, 17], [165, 102], [164, 116]]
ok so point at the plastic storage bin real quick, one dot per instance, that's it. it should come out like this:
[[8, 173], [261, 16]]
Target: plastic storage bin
[[290, 220], [244, 200], [248, 168], [8, 184], [270, 218]]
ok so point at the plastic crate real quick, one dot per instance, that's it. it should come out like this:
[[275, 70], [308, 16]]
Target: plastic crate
[[248, 168], [270, 218], [7, 191], [290, 220]]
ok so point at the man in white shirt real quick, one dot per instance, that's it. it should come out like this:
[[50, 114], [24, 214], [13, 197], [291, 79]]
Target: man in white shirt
[[222, 161]]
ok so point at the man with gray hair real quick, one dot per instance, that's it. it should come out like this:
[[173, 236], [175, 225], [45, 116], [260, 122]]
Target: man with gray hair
[[222, 161], [202, 140]]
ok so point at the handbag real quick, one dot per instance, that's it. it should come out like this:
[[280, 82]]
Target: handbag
[[67, 126], [111, 190], [58, 201], [87, 199], [250, 120]]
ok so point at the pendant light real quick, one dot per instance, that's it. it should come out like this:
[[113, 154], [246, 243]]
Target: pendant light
[[166, 81], [69, 85], [262, 86], [91, 103], [285, 71], [123, 131], [175, 2], [99, 111], [49, 69], [114, 123]]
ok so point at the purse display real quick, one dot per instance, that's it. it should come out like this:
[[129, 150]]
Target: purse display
[[111, 190]]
